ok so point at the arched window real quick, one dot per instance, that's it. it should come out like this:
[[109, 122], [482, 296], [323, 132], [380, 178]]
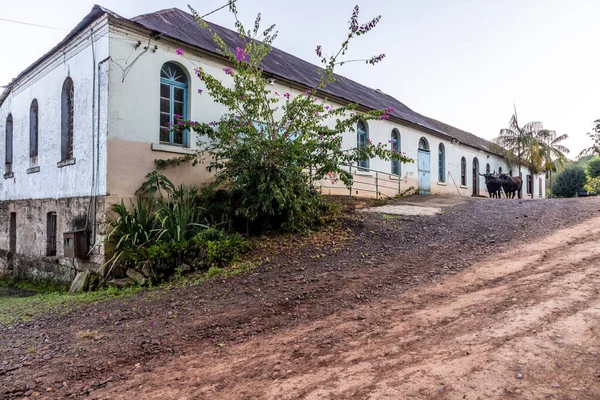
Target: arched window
[[173, 103], [395, 149], [362, 137], [441, 163], [33, 128], [8, 153], [463, 171], [423, 144], [499, 170], [66, 119], [488, 168]]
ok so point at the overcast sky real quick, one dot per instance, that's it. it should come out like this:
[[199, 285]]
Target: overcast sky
[[463, 62]]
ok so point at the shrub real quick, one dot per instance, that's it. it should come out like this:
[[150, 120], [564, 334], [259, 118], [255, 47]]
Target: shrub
[[159, 233], [569, 182], [593, 167], [221, 248], [593, 184]]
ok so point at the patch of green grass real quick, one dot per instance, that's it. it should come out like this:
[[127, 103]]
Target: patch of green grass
[[21, 309]]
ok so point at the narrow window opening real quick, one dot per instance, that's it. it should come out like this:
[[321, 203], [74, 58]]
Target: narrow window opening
[[463, 171], [442, 163], [33, 129], [12, 246], [67, 109], [395, 149], [51, 234], [362, 138], [8, 153]]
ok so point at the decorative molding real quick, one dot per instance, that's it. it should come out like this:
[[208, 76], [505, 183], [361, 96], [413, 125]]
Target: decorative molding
[[33, 170], [9, 175]]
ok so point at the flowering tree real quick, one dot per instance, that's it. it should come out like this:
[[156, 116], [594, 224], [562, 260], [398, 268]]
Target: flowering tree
[[268, 144]]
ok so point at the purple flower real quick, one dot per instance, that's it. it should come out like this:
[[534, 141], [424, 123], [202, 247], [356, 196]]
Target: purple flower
[[179, 51], [327, 107], [318, 51], [287, 95], [241, 97], [228, 71], [177, 115], [179, 122], [276, 94], [241, 54], [199, 91], [375, 59], [212, 123]]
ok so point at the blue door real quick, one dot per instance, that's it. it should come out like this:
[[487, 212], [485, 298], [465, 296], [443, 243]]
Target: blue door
[[424, 172]]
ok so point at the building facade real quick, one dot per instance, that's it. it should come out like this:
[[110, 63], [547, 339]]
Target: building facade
[[85, 123]]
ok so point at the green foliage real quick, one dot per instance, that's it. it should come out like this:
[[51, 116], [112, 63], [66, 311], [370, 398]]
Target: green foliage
[[159, 234], [593, 167], [155, 182], [592, 184], [569, 182], [213, 272], [266, 146], [133, 227], [221, 249], [533, 146]]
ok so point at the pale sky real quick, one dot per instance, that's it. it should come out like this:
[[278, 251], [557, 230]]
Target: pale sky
[[463, 62]]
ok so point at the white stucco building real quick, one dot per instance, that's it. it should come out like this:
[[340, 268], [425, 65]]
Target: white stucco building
[[81, 127]]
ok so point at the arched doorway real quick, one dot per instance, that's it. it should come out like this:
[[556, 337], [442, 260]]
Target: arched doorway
[[475, 177], [424, 161]]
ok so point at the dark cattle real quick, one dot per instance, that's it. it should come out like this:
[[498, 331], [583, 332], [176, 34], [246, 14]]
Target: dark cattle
[[511, 185], [493, 185]]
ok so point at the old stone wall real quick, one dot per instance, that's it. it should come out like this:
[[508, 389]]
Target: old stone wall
[[31, 258]]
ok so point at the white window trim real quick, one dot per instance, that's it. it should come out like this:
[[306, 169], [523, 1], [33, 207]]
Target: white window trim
[[171, 148]]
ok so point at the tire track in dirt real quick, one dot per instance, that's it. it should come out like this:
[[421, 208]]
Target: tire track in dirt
[[532, 312]]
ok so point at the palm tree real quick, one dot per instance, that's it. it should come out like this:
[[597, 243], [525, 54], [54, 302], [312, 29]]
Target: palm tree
[[553, 153], [595, 148], [522, 142]]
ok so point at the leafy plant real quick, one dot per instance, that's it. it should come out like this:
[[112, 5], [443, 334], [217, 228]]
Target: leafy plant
[[268, 144], [155, 182], [569, 182], [593, 167]]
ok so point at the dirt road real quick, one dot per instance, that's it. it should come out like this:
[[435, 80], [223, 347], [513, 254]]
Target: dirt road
[[524, 324]]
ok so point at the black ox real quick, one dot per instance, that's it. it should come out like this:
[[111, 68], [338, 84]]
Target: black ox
[[511, 185], [493, 184]]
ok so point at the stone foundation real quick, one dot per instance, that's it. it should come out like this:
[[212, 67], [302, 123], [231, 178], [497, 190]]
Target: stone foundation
[[31, 259]]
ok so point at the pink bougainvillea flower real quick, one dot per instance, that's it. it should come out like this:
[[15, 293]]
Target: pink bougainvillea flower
[[287, 95], [241, 54], [199, 91], [276, 94], [318, 51], [228, 71], [179, 51]]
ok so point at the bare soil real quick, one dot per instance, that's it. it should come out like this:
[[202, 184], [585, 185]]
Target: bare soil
[[491, 299]]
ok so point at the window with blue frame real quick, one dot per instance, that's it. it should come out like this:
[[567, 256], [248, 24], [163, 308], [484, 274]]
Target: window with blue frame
[[362, 136], [173, 101], [395, 149], [441, 163]]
